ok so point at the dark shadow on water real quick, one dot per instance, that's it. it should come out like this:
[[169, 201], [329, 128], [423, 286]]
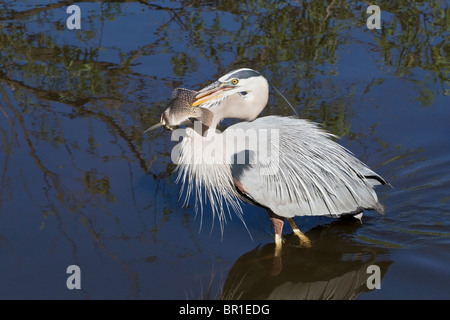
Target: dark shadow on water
[[335, 267]]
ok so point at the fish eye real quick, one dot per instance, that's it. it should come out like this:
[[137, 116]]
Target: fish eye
[[234, 81]]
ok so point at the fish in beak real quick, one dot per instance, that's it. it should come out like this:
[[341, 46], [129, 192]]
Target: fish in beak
[[181, 110]]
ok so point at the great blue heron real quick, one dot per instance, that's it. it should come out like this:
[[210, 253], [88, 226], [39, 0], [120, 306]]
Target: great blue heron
[[306, 172]]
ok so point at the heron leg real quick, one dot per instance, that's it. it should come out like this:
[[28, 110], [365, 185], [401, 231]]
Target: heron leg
[[277, 222], [304, 240]]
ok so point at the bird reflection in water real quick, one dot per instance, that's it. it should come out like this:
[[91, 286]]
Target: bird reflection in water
[[334, 268]]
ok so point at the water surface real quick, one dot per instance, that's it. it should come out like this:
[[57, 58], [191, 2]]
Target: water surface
[[80, 184]]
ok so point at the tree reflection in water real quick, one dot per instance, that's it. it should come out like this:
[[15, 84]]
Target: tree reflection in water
[[74, 163]]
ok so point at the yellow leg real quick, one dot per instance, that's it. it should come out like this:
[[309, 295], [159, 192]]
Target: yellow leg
[[277, 265], [278, 244], [277, 222], [304, 240], [278, 241]]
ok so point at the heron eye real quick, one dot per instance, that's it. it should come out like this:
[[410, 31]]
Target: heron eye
[[234, 81]]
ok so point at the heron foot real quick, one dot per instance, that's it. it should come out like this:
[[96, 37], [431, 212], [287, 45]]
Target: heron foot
[[304, 240]]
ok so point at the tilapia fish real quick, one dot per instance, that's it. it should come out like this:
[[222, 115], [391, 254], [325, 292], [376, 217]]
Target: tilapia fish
[[180, 111]]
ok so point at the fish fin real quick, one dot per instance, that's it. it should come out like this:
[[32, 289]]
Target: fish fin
[[159, 124], [183, 93], [175, 93], [206, 116], [186, 122]]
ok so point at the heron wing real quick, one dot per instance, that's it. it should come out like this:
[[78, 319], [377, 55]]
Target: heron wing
[[295, 168]]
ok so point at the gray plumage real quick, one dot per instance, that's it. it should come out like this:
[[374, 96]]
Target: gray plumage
[[313, 175]]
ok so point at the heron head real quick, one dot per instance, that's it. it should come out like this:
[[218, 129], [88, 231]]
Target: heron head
[[241, 93]]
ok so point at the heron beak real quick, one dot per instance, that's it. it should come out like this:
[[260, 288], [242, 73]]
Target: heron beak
[[211, 92]]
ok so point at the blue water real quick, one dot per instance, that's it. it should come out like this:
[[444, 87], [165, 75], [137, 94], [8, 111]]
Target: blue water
[[80, 184]]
